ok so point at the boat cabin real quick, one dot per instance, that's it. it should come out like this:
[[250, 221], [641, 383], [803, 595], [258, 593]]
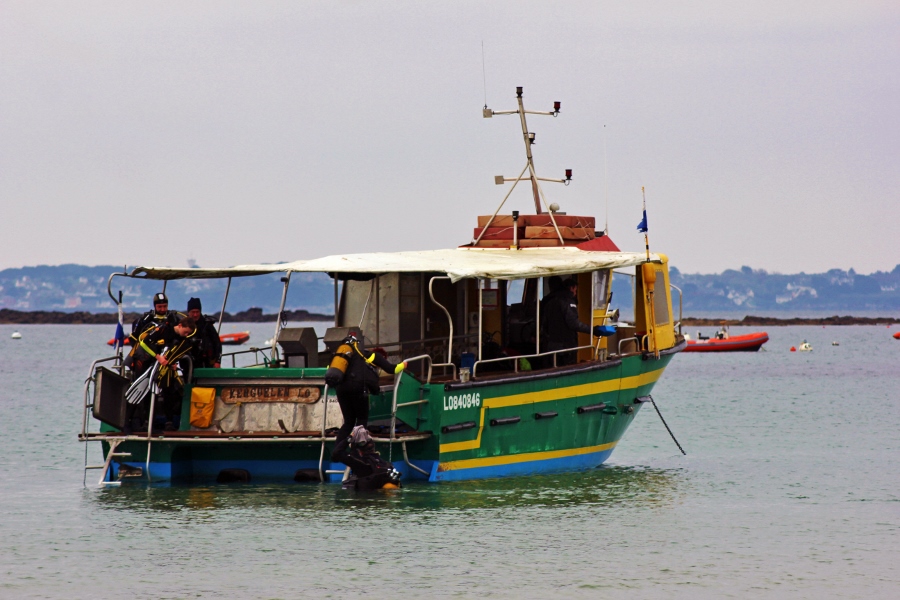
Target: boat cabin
[[483, 395]]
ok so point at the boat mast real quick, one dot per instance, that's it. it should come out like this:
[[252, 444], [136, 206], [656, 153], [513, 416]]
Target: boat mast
[[528, 138]]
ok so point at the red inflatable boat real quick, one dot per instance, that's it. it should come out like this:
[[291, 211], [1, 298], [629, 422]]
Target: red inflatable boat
[[750, 342], [234, 339]]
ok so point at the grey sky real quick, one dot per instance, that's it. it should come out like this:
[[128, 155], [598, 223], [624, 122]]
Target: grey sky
[[766, 133]]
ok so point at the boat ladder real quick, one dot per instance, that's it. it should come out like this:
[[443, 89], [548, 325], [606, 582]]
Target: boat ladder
[[113, 445]]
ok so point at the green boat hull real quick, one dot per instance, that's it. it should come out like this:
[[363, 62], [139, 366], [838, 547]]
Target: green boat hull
[[519, 424]]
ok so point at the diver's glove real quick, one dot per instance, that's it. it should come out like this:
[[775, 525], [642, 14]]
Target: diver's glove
[[604, 330]]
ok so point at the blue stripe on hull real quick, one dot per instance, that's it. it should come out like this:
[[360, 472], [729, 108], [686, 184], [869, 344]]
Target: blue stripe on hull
[[268, 470], [550, 465]]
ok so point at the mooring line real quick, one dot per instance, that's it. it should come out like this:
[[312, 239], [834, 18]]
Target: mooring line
[[652, 401]]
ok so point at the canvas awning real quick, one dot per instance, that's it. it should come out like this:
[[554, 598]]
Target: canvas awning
[[458, 263]]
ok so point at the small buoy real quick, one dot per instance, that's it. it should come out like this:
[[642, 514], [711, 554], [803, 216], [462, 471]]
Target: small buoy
[[16, 335], [390, 486], [793, 349], [897, 335]]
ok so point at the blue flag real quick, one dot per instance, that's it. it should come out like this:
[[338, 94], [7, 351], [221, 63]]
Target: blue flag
[[120, 336], [642, 226]]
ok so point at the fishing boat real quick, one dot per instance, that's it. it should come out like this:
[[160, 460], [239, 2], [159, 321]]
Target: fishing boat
[[723, 341], [481, 397]]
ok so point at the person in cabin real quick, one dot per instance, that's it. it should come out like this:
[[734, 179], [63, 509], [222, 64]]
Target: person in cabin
[[168, 345], [153, 318], [353, 376], [208, 349], [559, 320]]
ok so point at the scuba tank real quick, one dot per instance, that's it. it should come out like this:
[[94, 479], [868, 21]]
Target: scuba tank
[[340, 362]]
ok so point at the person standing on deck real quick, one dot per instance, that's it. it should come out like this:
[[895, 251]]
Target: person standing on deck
[[168, 345], [559, 320], [208, 349], [153, 318], [353, 376]]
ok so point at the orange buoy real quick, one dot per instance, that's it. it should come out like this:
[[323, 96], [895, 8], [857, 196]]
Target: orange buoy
[[897, 335], [793, 349]]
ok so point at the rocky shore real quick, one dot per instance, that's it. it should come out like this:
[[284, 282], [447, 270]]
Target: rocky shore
[[752, 321], [43, 317]]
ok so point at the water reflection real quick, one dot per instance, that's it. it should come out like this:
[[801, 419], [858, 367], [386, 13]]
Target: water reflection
[[605, 486]]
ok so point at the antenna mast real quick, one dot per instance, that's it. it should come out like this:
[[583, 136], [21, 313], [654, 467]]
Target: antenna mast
[[528, 138]]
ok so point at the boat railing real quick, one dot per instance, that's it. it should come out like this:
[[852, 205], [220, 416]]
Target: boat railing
[[88, 399], [394, 407], [637, 340], [680, 294], [396, 349], [257, 352], [516, 358], [398, 381]]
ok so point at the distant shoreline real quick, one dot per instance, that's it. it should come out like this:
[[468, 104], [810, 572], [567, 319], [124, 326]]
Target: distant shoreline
[[256, 315], [45, 317], [751, 321]]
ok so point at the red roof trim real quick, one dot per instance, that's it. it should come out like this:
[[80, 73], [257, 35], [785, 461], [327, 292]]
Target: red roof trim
[[600, 244]]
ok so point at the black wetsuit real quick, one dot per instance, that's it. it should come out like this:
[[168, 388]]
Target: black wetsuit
[[560, 325], [353, 393], [171, 385], [150, 320], [208, 349], [370, 470]]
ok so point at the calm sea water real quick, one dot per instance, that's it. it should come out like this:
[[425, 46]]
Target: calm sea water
[[791, 488]]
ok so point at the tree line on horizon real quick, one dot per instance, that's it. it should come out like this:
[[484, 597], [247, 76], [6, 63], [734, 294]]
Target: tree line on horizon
[[80, 288]]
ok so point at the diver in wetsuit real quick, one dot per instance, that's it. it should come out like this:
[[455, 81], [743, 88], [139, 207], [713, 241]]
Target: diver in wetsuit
[[353, 376], [370, 470], [208, 349], [153, 318], [170, 346]]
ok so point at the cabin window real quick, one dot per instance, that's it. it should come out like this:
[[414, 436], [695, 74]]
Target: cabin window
[[601, 288], [660, 299]]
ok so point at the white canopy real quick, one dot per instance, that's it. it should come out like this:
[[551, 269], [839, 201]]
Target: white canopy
[[458, 263]]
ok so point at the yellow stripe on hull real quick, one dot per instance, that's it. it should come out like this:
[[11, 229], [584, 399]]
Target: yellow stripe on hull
[[574, 391], [509, 459]]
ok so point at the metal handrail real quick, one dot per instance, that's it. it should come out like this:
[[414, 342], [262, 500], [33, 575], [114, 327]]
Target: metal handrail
[[446, 312], [430, 364], [91, 378], [397, 382], [324, 424], [255, 350], [516, 358], [671, 285], [635, 338]]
